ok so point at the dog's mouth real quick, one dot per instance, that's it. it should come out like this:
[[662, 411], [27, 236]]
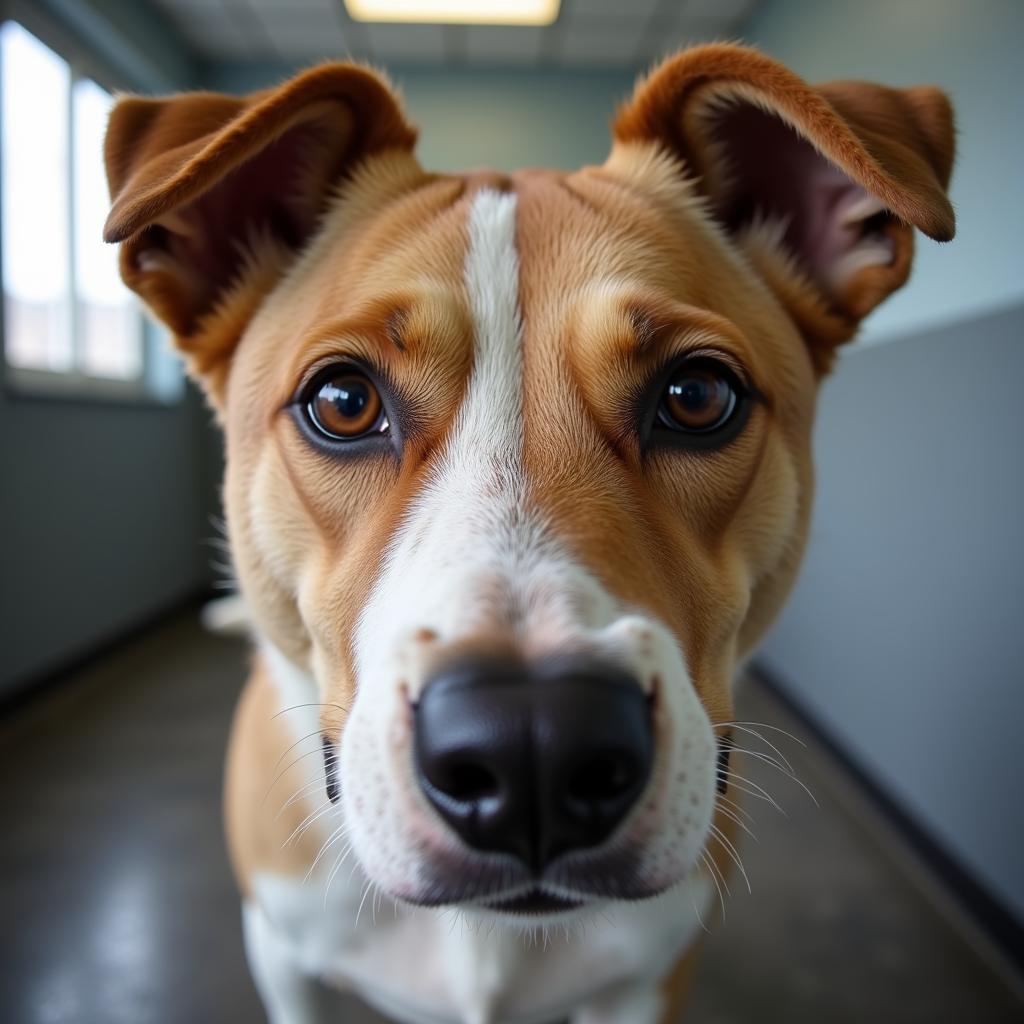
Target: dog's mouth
[[535, 901]]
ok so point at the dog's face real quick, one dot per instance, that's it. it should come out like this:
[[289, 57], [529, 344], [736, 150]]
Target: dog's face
[[519, 466]]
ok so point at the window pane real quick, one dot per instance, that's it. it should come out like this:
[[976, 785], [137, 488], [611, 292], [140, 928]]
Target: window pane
[[34, 196], [109, 323]]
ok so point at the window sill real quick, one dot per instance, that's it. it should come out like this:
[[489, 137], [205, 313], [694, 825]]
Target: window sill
[[21, 384]]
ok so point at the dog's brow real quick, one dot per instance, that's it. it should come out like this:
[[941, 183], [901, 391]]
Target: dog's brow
[[648, 325], [396, 322], [372, 326]]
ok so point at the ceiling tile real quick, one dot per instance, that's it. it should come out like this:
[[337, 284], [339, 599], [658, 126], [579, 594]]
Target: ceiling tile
[[413, 43], [213, 33], [211, 17], [173, 7], [621, 10], [307, 49], [685, 32], [228, 46], [502, 44], [596, 33], [604, 44], [729, 11], [308, 20], [302, 41], [331, 7]]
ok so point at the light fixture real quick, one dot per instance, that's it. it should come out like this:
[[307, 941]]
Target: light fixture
[[462, 12]]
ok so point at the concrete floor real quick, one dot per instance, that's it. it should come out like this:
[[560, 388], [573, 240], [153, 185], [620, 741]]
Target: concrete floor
[[117, 906]]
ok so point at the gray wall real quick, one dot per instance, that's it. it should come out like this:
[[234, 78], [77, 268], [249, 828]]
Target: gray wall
[[101, 525], [104, 505], [904, 633]]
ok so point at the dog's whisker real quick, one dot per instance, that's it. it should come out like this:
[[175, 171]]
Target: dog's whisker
[[761, 725], [312, 704], [301, 828], [736, 807], [733, 853], [338, 833], [300, 794], [735, 819], [774, 764], [766, 758], [721, 873], [757, 791], [287, 768], [292, 746], [771, 746], [342, 857], [693, 903], [708, 863]]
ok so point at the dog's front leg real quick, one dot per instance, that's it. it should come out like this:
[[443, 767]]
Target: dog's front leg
[[644, 1002], [289, 994]]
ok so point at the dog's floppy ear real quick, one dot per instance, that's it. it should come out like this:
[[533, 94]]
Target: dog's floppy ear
[[821, 186], [213, 195]]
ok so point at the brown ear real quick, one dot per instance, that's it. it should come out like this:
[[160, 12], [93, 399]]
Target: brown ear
[[820, 186], [213, 195]]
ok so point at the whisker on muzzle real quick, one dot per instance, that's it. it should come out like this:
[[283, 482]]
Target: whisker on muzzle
[[339, 833]]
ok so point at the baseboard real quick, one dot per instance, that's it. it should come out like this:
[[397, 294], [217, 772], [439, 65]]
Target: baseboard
[[973, 899]]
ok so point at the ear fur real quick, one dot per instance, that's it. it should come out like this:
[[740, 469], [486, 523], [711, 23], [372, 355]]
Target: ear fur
[[213, 195], [820, 186]]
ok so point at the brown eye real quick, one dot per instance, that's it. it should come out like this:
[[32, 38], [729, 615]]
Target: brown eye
[[699, 399], [344, 404]]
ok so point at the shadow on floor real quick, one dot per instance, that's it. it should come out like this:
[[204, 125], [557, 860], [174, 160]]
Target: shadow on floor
[[118, 906]]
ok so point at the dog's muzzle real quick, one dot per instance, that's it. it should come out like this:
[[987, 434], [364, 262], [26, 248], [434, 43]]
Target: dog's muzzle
[[533, 761]]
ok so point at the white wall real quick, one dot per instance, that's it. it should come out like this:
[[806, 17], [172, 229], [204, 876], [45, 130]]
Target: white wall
[[971, 49]]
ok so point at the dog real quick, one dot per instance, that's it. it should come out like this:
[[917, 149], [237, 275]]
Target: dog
[[518, 471]]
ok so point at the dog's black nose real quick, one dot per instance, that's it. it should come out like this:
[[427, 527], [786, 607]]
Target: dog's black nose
[[536, 761]]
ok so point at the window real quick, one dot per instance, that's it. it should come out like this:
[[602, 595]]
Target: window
[[69, 323]]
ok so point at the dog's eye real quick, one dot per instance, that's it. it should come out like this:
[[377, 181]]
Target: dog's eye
[[701, 397], [344, 404]]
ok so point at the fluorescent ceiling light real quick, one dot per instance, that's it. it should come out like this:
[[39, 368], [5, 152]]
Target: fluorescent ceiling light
[[462, 12]]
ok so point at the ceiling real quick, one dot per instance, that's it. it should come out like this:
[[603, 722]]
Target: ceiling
[[587, 33]]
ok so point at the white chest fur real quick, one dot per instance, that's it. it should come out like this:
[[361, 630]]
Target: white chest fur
[[428, 966], [446, 967]]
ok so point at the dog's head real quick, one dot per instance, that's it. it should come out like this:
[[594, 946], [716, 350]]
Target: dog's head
[[518, 466]]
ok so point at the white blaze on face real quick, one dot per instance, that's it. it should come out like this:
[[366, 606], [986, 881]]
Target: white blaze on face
[[473, 557], [468, 548]]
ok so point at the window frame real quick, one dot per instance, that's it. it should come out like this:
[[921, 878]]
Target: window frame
[[154, 385]]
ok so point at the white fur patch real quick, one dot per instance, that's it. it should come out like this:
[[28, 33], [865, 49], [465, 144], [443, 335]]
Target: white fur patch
[[441, 967]]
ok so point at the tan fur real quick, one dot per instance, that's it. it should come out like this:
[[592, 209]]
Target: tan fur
[[263, 772], [621, 266]]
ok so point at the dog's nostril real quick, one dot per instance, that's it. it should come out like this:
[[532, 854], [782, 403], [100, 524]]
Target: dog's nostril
[[467, 781], [603, 777], [533, 763]]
